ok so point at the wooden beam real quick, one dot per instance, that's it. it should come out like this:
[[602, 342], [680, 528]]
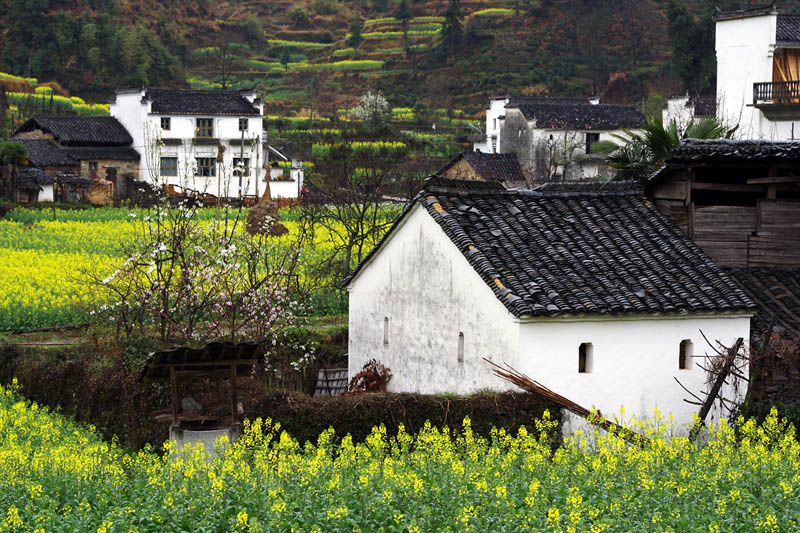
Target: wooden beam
[[776, 179], [174, 387], [728, 362], [233, 395], [727, 187], [238, 362]]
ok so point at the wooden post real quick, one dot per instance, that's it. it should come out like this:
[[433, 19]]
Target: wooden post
[[174, 386], [721, 377], [233, 394], [689, 202]]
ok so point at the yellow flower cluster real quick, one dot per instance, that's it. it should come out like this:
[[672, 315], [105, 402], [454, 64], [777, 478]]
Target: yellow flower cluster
[[57, 476]]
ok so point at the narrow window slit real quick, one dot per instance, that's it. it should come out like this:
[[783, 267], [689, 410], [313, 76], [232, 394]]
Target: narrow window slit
[[685, 355], [585, 358]]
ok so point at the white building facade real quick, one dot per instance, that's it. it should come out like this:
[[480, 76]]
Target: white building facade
[[206, 142], [419, 305], [553, 137], [758, 73], [286, 175]]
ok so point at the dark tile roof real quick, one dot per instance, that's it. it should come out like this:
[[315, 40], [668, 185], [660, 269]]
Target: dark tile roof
[[73, 179], [200, 102], [551, 254], [775, 291], [45, 153], [213, 355], [788, 29], [581, 116], [514, 100], [31, 178], [118, 153], [73, 130], [745, 13], [491, 167], [589, 187], [711, 149]]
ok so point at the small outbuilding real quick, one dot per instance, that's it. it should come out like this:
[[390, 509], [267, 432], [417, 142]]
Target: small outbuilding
[[595, 294], [477, 165]]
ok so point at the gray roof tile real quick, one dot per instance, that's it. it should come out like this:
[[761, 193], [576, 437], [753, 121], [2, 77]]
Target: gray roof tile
[[574, 116], [551, 254], [219, 102], [74, 130]]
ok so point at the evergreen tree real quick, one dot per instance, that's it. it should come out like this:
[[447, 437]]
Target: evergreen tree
[[356, 38], [692, 42], [453, 29], [27, 32]]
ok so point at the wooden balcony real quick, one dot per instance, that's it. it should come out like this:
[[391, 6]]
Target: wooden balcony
[[778, 100]]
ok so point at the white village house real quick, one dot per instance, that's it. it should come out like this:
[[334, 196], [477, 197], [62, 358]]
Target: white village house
[[553, 137], [595, 294], [286, 174], [179, 134], [758, 73]]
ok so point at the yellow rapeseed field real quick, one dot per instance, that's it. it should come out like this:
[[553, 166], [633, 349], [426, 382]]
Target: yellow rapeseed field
[[43, 261], [56, 476]]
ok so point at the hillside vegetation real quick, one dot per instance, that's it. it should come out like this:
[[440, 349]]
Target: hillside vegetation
[[320, 55]]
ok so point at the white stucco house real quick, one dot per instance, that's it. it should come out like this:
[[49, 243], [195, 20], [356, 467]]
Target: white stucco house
[[683, 109], [758, 73], [286, 175], [180, 134], [553, 137], [594, 294]]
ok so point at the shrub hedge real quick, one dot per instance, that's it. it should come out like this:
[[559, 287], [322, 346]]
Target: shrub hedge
[[305, 417], [99, 388]]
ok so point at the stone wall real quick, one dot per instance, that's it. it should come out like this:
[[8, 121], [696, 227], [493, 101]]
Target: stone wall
[[123, 168], [462, 171]]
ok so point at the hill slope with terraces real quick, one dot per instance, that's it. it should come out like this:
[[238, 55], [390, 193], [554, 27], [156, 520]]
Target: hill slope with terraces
[[300, 55]]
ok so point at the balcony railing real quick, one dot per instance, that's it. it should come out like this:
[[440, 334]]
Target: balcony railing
[[776, 92]]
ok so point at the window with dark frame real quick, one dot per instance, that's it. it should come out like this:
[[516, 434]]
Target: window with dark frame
[[206, 166], [386, 331], [166, 124], [585, 358], [460, 347], [242, 124], [205, 127], [685, 355], [591, 138], [169, 166], [245, 162]]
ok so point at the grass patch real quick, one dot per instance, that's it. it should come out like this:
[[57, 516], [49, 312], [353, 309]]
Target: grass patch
[[298, 44]]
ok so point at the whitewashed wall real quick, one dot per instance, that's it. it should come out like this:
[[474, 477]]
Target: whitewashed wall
[[284, 189], [46, 194], [430, 293], [572, 144], [425, 287], [677, 109], [496, 109], [635, 360]]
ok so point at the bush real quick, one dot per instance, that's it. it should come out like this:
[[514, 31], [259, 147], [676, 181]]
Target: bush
[[325, 7], [305, 417]]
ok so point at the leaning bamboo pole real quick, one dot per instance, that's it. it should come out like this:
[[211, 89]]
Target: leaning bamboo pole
[[595, 418]]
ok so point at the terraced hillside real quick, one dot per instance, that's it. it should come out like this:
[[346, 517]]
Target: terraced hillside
[[304, 57]]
